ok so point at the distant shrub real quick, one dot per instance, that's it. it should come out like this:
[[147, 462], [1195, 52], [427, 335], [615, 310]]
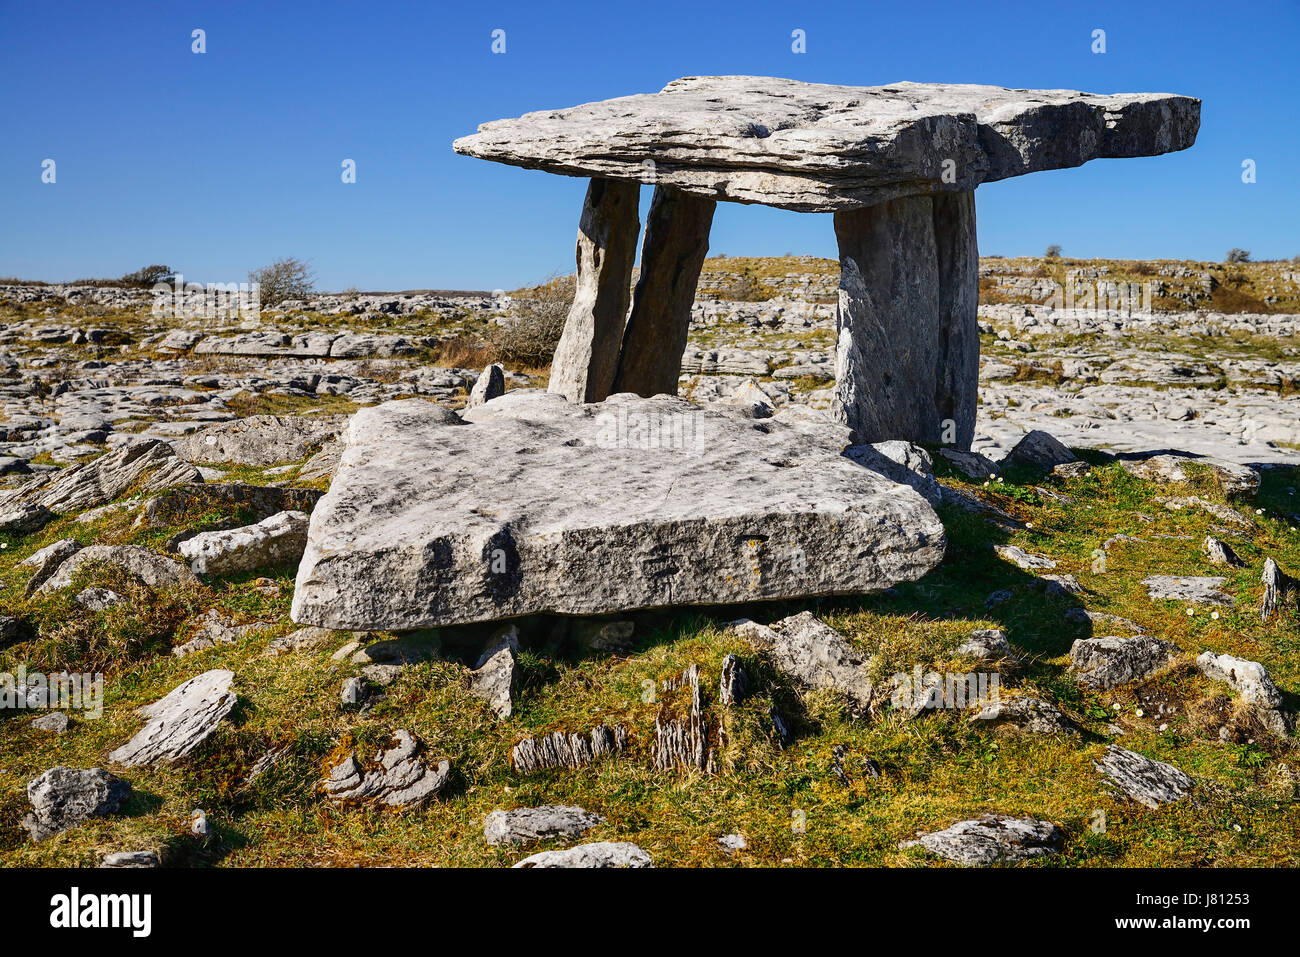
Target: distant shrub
[[530, 334], [1237, 256], [1053, 251], [149, 276], [287, 278]]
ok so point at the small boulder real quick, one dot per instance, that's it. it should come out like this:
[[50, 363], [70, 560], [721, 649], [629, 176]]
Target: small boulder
[[491, 384], [275, 541], [63, 797], [600, 854], [1110, 660], [991, 839], [538, 824], [1150, 783], [1038, 450]]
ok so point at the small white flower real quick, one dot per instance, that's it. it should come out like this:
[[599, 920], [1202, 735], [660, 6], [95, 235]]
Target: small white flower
[[1236, 827], [1191, 611], [1029, 524], [1164, 727], [1139, 712], [1259, 511], [1116, 706], [1214, 614]]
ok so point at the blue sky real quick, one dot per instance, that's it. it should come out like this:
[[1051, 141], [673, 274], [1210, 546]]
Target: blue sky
[[220, 162]]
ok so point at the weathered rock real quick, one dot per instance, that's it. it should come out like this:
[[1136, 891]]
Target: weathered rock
[[146, 465], [733, 842], [400, 778], [733, 686], [599, 854], [1026, 560], [1109, 661], [816, 147], [1198, 591], [1249, 679], [18, 519], [1027, 714], [526, 824], [815, 655], [539, 505], [1237, 481], [152, 569], [1280, 591], [986, 644], [681, 731], [304, 639], [1150, 783], [131, 859], [586, 358], [493, 679], [55, 722], [97, 599], [261, 439], [261, 501], [902, 462], [971, 465], [181, 721], [1220, 553], [278, 540], [46, 562], [907, 356], [561, 749], [672, 253], [991, 839], [65, 797], [491, 384], [215, 630], [1038, 450]]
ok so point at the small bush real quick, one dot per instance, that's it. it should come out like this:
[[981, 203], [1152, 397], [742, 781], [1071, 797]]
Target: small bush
[[1053, 251], [529, 335], [149, 276], [287, 278], [1237, 256]]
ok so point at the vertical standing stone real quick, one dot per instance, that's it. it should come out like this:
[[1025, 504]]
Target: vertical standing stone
[[907, 358], [587, 355], [676, 242]]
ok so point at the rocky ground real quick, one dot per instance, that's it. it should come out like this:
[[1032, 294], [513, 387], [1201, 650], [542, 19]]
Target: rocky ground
[[156, 476]]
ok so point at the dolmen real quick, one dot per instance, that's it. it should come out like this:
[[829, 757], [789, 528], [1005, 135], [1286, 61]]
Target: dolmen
[[897, 165]]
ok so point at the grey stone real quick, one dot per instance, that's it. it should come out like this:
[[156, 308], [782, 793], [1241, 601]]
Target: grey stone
[[672, 253], [970, 465], [992, 839], [599, 854], [261, 439], [181, 721], [152, 569], [8, 628], [1028, 714], [815, 655], [681, 729], [20, 519], [1198, 591], [304, 639], [1220, 553], [46, 561], [55, 721], [986, 644], [586, 358], [1150, 783], [63, 797], [526, 824], [275, 541], [353, 692], [131, 859], [733, 842], [1237, 481], [97, 599], [215, 630], [490, 385], [1280, 591], [1026, 560], [561, 749], [816, 147], [493, 678], [539, 505], [1039, 450], [903, 462], [1109, 661], [398, 778], [1249, 679], [733, 686]]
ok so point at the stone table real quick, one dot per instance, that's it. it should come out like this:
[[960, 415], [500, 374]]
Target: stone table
[[897, 165]]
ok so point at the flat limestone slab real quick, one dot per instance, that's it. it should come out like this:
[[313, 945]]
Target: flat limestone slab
[[533, 504], [815, 147]]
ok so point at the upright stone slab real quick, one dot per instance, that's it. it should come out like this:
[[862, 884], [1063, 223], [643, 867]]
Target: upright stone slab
[[676, 242], [907, 357], [587, 356]]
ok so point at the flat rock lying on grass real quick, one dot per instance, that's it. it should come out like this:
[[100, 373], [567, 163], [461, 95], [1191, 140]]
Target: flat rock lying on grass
[[131, 859], [1108, 661], [215, 630], [814, 654], [400, 778], [181, 721], [146, 465], [97, 599], [156, 571], [1237, 481], [1196, 590], [20, 519], [272, 542], [986, 644], [1249, 679], [65, 797], [1150, 783], [260, 440], [533, 504], [1026, 560], [599, 854], [970, 465], [1026, 714], [538, 823], [991, 839], [304, 639], [55, 722]]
